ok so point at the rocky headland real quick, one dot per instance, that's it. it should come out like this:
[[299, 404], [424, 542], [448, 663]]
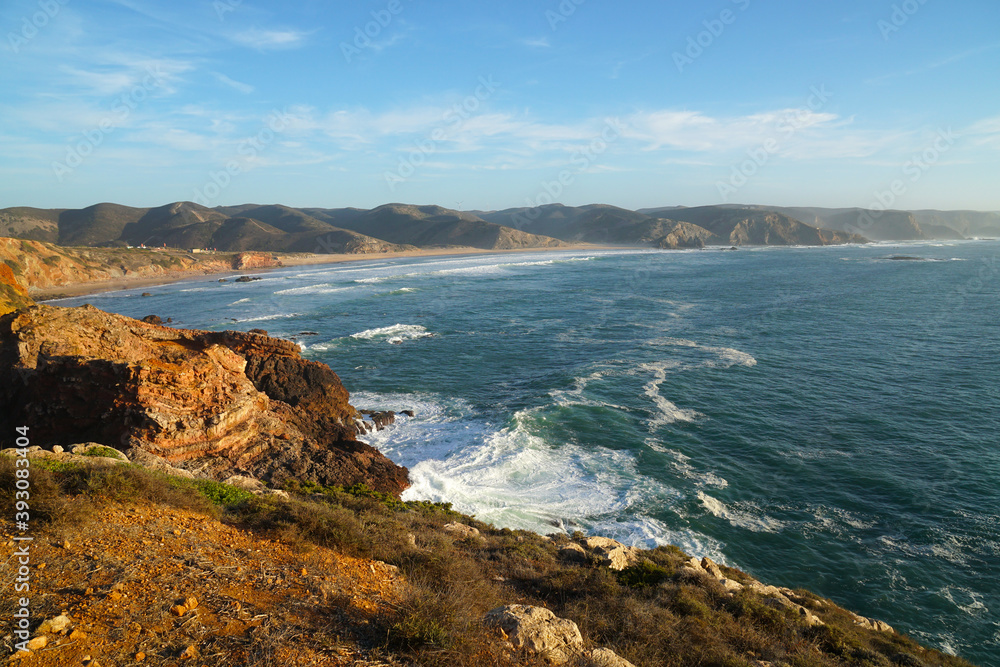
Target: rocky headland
[[41, 266], [214, 403]]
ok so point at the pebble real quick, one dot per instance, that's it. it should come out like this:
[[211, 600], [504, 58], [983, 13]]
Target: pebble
[[54, 625]]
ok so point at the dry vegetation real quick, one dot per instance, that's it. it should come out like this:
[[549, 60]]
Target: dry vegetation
[[287, 582]]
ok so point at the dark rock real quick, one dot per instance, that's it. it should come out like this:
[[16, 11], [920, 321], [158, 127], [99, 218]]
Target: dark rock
[[223, 280], [308, 333], [378, 421], [246, 279], [408, 413], [147, 294], [152, 319]]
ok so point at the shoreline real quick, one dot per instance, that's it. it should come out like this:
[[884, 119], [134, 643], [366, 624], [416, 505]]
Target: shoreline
[[75, 290]]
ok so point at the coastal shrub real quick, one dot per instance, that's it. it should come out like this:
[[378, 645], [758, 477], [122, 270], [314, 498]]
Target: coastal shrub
[[49, 505], [131, 484], [102, 451], [643, 575], [223, 495]]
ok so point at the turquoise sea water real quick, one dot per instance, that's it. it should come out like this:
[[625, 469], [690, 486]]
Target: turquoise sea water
[[823, 418]]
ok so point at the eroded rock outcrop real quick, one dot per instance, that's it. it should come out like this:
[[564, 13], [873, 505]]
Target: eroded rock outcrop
[[558, 640], [214, 403], [255, 260], [13, 295]]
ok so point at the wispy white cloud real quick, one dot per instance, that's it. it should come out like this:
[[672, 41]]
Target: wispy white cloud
[[238, 86], [699, 132], [270, 40], [985, 132], [537, 42]]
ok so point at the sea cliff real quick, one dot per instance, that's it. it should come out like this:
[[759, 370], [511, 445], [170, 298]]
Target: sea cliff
[[219, 403], [44, 266]]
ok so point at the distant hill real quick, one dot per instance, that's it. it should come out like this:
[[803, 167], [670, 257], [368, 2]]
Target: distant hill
[[746, 225], [434, 226], [894, 225], [396, 227], [390, 228], [674, 227], [967, 223]]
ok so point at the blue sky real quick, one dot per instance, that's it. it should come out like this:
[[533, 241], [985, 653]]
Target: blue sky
[[486, 105]]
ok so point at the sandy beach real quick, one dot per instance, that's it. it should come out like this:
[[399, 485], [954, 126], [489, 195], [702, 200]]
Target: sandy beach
[[286, 259]]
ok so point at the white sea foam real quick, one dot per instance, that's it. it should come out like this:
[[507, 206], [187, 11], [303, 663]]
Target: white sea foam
[[234, 303], [394, 334], [668, 412], [575, 394], [266, 318], [723, 357], [752, 518], [322, 288], [682, 465], [965, 599], [511, 477]]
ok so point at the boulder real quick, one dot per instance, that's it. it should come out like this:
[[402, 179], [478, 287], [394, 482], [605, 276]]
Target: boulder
[[615, 555], [54, 625], [152, 319], [573, 553], [460, 530], [538, 630], [873, 624], [603, 657], [247, 483]]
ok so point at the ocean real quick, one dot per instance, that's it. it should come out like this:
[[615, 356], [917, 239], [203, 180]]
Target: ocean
[[823, 418]]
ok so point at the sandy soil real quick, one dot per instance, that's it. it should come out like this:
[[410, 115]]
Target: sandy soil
[[287, 259], [255, 601]]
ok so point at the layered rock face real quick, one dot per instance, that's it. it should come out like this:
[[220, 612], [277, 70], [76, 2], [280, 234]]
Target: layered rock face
[[215, 403], [13, 295], [254, 260]]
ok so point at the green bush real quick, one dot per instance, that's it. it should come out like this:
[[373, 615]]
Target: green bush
[[103, 451], [643, 575], [223, 495]]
